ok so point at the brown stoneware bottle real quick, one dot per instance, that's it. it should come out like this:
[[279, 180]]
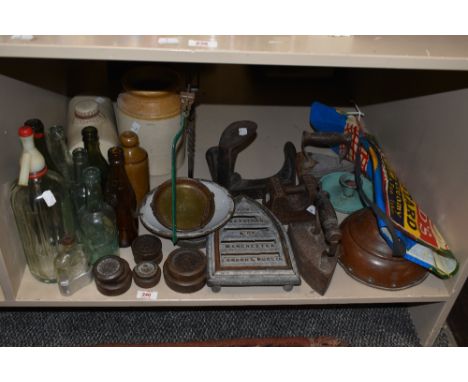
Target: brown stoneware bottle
[[120, 195], [136, 164]]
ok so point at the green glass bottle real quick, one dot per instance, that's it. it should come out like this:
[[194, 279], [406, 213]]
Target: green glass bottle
[[98, 226], [78, 189], [95, 158]]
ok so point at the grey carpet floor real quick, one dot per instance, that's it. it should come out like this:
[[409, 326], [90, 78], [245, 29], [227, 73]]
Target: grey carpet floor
[[375, 325]]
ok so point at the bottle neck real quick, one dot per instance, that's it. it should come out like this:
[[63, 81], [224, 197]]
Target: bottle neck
[[92, 146], [94, 196]]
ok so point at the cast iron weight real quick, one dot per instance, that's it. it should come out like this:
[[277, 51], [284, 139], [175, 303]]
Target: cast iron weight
[[222, 160]]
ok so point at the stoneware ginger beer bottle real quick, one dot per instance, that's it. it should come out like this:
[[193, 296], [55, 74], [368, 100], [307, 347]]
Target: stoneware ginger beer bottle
[[136, 164]]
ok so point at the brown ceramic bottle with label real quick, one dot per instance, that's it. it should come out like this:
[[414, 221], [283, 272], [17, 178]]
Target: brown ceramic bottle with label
[[136, 164]]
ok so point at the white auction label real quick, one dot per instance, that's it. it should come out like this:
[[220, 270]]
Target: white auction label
[[49, 198], [147, 295], [135, 127], [168, 40], [242, 131], [203, 43], [311, 209]]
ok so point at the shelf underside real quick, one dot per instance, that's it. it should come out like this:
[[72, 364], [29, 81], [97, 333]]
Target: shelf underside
[[404, 52]]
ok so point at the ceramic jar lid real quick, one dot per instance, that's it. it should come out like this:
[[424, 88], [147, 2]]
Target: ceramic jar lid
[[86, 109]]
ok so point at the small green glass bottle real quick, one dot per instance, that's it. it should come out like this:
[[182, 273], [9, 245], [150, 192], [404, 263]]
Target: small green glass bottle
[[98, 226], [95, 158]]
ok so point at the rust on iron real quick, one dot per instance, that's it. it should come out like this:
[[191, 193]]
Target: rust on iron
[[221, 161], [326, 139], [311, 252], [290, 203]]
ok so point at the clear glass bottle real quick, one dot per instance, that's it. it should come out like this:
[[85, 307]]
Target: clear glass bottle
[[78, 189], [95, 158], [58, 150], [42, 208], [120, 195], [71, 267], [136, 164], [40, 141], [98, 226]]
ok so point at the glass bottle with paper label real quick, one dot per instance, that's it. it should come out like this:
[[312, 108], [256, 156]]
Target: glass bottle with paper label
[[42, 208]]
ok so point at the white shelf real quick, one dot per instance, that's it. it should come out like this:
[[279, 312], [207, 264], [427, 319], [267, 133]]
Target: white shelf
[[405, 52], [343, 289]]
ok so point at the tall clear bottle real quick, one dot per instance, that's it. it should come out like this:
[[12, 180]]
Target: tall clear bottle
[[97, 220], [136, 164], [42, 208], [58, 150], [120, 195], [91, 143], [40, 141], [78, 190]]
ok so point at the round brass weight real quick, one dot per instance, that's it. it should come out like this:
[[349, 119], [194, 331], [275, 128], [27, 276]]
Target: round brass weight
[[367, 257], [195, 204]]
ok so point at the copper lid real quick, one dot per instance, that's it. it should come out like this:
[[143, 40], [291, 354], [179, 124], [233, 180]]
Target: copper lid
[[367, 257]]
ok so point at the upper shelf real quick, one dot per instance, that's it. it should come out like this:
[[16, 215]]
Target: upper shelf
[[404, 52]]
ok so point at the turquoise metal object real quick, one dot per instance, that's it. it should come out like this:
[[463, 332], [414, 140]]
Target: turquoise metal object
[[343, 193]]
